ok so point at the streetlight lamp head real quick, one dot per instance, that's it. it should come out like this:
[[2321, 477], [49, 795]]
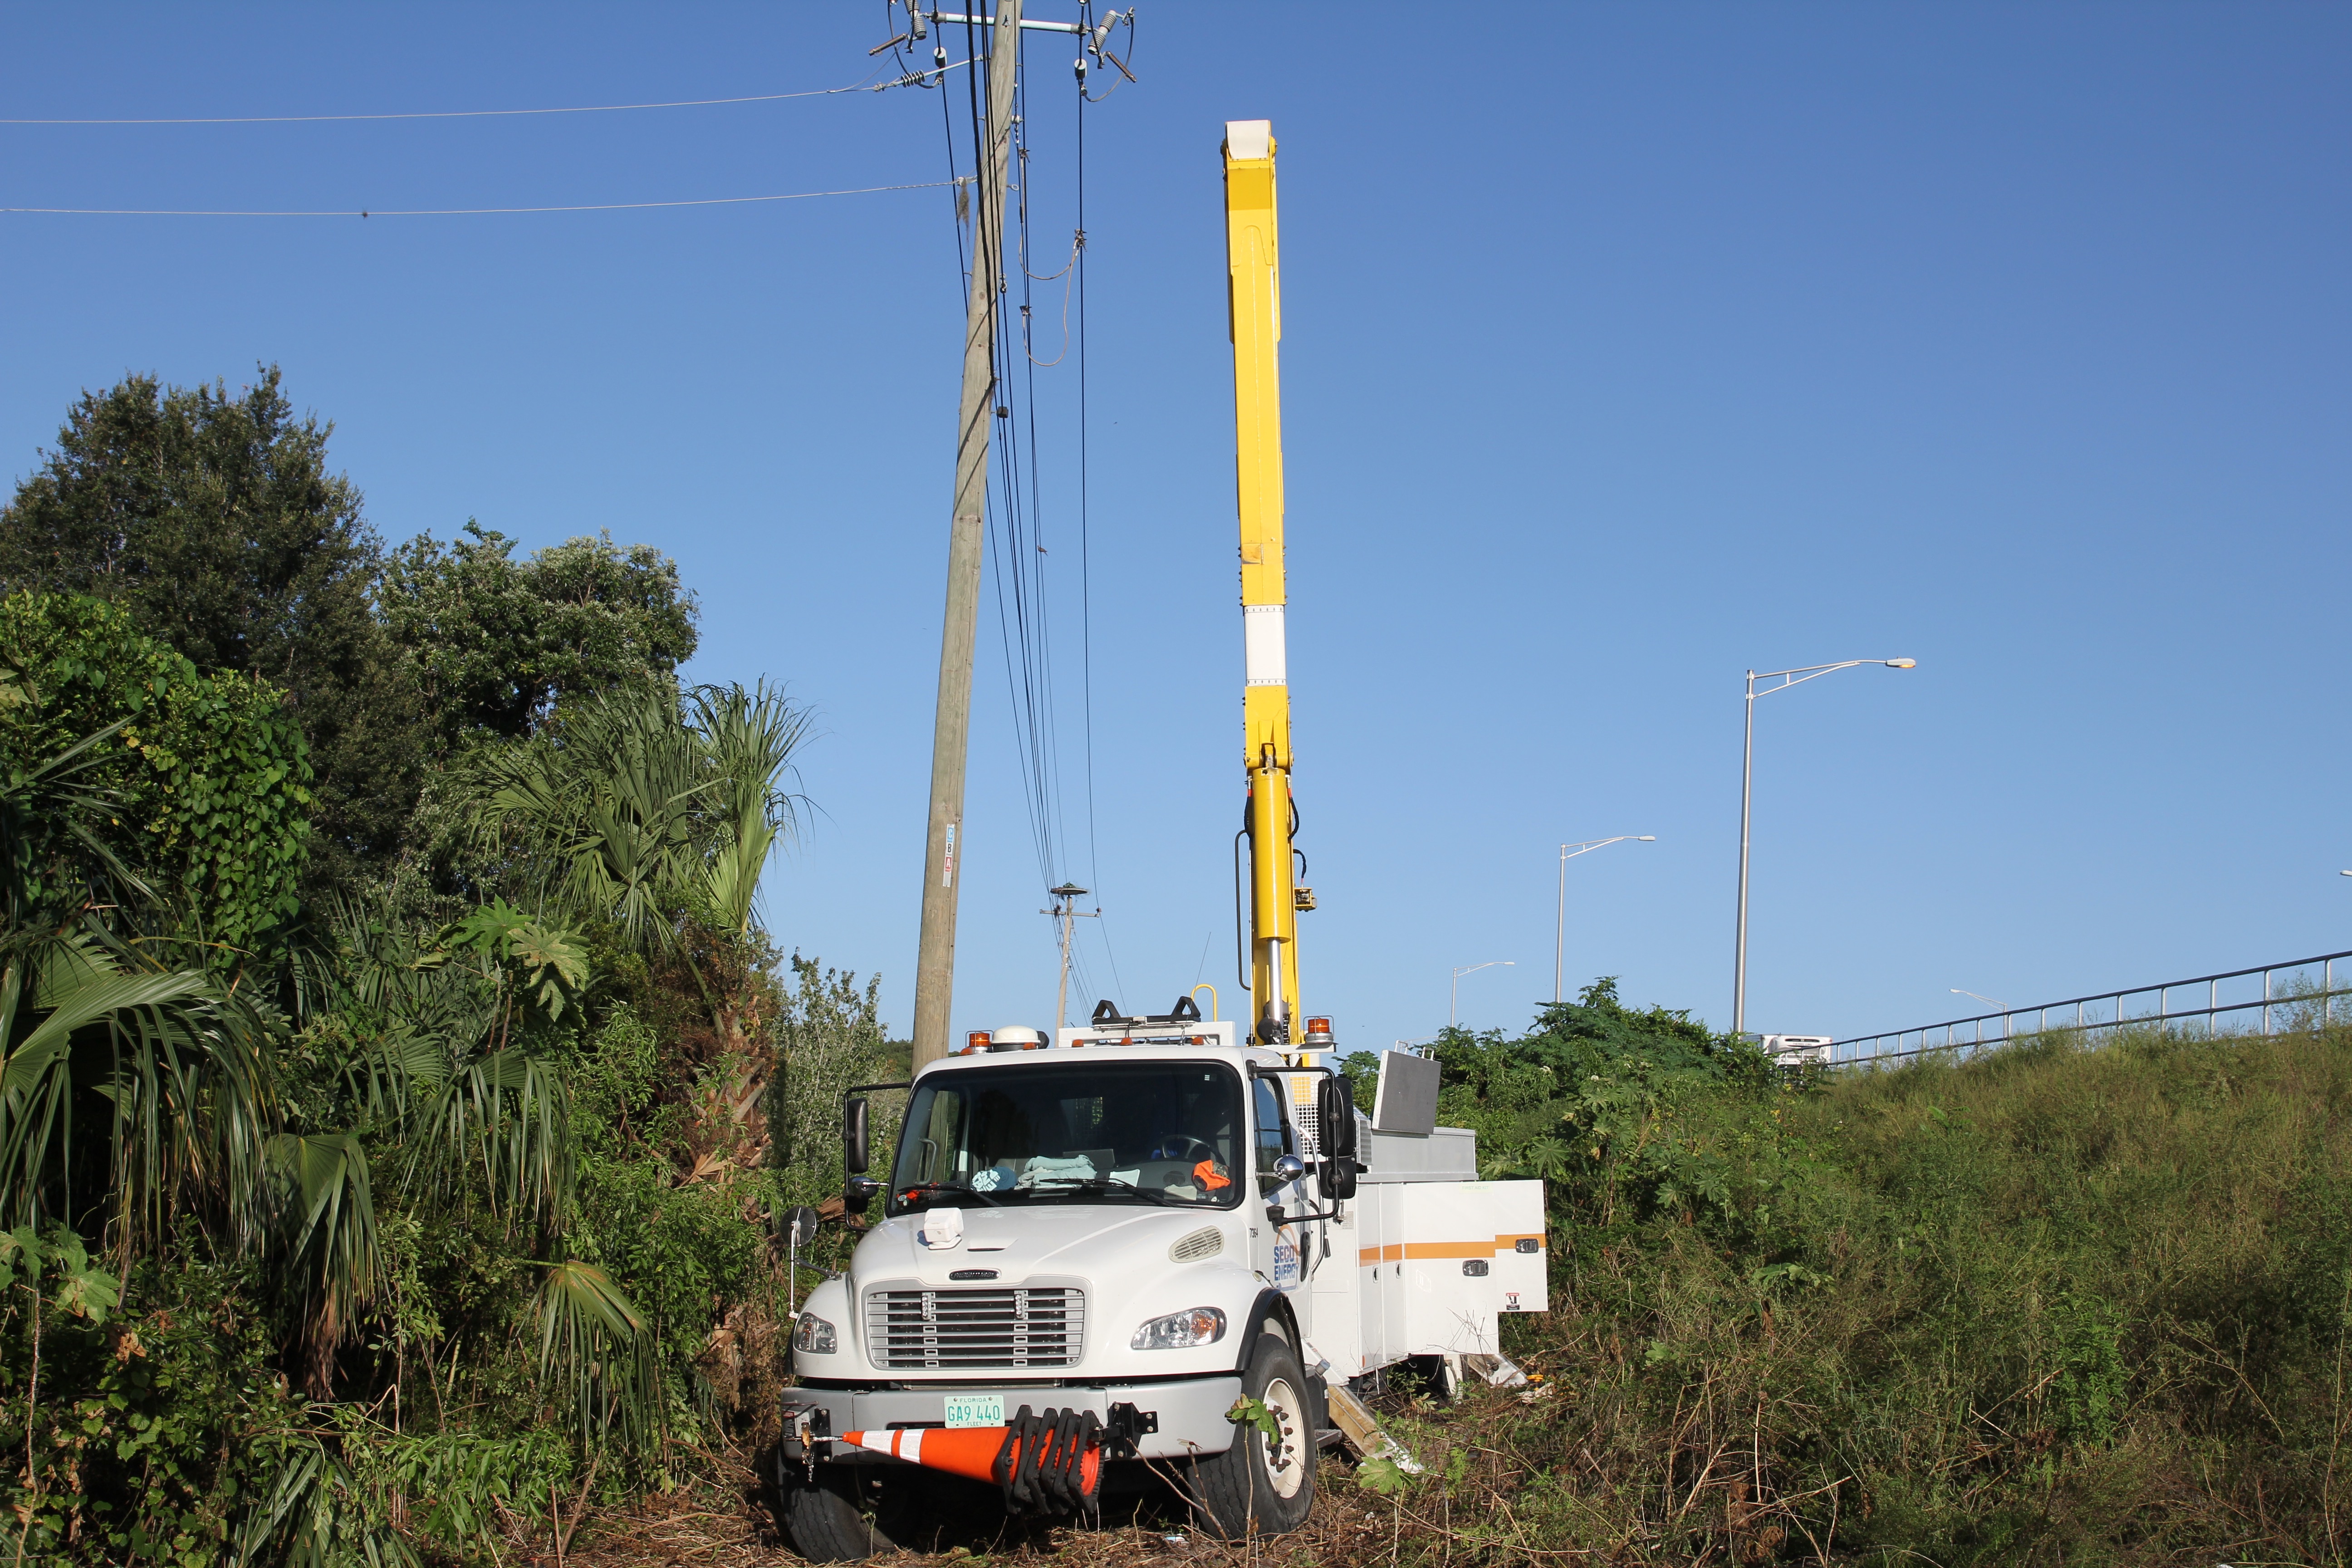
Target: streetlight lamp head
[[1902, 664], [1647, 839]]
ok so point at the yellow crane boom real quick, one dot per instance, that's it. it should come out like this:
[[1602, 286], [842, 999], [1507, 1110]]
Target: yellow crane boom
[[1255, 304]]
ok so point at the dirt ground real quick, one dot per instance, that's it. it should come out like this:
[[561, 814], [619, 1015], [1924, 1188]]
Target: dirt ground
[[714, 1528]]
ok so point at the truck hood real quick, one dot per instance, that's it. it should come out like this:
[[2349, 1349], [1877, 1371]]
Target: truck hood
[[1094, 1241]]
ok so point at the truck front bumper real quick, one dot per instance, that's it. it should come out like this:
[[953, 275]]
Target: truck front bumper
[[1191, 1412]]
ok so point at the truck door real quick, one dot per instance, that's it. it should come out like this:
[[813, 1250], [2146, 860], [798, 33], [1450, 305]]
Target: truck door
[[1277, 1251]]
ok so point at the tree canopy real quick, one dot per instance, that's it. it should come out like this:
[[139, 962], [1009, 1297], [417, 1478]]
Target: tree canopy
[[213, 517], [215, 521], [498, 642]]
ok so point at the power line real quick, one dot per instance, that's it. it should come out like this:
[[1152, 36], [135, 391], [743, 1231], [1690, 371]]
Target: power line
[[467, 212], [1019, 548], [1085, 556], [1050, 779], [869, 84], [1102, 929], [1015, 523], [1011, 529]]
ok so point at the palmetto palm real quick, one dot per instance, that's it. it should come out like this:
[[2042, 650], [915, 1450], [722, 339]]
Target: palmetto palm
[[435, 1049], [137, 1095], [180, 1060], [148, 1093], [651, 811]]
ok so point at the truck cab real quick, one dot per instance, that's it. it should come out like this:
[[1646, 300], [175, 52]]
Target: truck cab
[[1149, 1222]]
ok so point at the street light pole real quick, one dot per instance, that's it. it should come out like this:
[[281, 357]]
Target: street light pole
[[1453, 1005], [1747, 788], [1787, 678], [1559, 937]]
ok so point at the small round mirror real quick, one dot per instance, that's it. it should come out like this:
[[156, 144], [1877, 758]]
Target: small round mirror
[[800, 1226], [1289, 1168]]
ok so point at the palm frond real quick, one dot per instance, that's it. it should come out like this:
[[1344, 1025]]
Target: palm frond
[[186, 1081], [647, 808], [609, 810], [55, 789], [751, 737], [189, 1085], [326, 1210], [511, 1111], [314, 1515], [593, 1341]]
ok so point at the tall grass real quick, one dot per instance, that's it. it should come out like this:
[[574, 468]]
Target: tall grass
[[2053, 1304]]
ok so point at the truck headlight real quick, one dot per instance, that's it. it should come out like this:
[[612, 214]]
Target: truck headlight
[[815, 1335], [1180, 1330]]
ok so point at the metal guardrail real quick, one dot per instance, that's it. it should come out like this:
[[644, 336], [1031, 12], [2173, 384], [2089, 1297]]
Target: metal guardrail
[[2313, 998]]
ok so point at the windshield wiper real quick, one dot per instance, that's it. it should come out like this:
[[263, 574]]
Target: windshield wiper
[[906, 1193], [1105, 1185]]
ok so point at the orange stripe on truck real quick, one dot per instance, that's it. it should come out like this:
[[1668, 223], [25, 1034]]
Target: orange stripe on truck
[[1397, 1252]]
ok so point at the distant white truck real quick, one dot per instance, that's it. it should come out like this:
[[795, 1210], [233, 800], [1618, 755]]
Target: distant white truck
[[1798, 1049], [1097, 1248]]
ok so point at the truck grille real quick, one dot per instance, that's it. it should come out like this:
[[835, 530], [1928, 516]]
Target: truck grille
[[950, 1329]]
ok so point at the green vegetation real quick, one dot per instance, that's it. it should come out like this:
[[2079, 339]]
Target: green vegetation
[[399, 1082], [211, 517], [385, 1162], [2054, 1305]]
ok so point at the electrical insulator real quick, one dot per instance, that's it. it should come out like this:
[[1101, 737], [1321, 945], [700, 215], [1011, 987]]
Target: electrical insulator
[[1081, 64], [915, 18]]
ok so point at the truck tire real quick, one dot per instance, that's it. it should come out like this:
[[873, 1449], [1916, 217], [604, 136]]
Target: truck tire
[[825, 1519], [1256, 1488]]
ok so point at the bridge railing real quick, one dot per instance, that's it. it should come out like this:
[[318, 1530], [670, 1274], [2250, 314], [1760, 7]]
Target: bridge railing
[[2299, 993]]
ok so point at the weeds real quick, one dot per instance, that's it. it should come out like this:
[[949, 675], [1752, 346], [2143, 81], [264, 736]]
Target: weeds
[[2052, 1305]]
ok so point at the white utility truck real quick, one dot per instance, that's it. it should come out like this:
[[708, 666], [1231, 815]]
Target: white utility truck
[[1157, 1242], [1151, 1240]]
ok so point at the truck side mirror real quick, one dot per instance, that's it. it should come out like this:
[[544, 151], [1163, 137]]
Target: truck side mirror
[[1334, 1119], [1334, 1137], [859, 1191], [853, 1138]]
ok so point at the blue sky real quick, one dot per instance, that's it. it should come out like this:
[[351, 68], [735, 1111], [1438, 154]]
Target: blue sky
[[1625, 348]]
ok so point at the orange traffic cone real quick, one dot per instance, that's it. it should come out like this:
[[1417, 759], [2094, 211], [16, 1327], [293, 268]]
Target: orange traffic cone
[[967, 1451]]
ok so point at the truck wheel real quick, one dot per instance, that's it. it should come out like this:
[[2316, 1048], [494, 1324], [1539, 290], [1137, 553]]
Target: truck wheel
[[1256, 1487], [826, 1517]]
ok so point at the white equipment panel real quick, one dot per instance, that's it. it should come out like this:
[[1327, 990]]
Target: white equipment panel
[[1439, 1263]]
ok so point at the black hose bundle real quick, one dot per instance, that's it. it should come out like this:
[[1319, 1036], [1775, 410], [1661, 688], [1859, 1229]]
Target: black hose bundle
[[1041, 1464]]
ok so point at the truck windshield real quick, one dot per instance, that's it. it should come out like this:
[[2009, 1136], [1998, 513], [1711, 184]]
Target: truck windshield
[[1091, 1132]]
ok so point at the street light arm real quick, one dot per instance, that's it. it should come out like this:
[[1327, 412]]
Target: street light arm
[[1454, 1001], [1797, 677], [1559, 937], [1571, 851]]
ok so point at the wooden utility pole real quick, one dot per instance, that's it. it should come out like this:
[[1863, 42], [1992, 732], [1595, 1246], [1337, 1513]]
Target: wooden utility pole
[[1064, 909], [952, 731]]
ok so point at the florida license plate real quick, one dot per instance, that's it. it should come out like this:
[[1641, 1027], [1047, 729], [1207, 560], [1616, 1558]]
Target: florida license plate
[[975, 1410]]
